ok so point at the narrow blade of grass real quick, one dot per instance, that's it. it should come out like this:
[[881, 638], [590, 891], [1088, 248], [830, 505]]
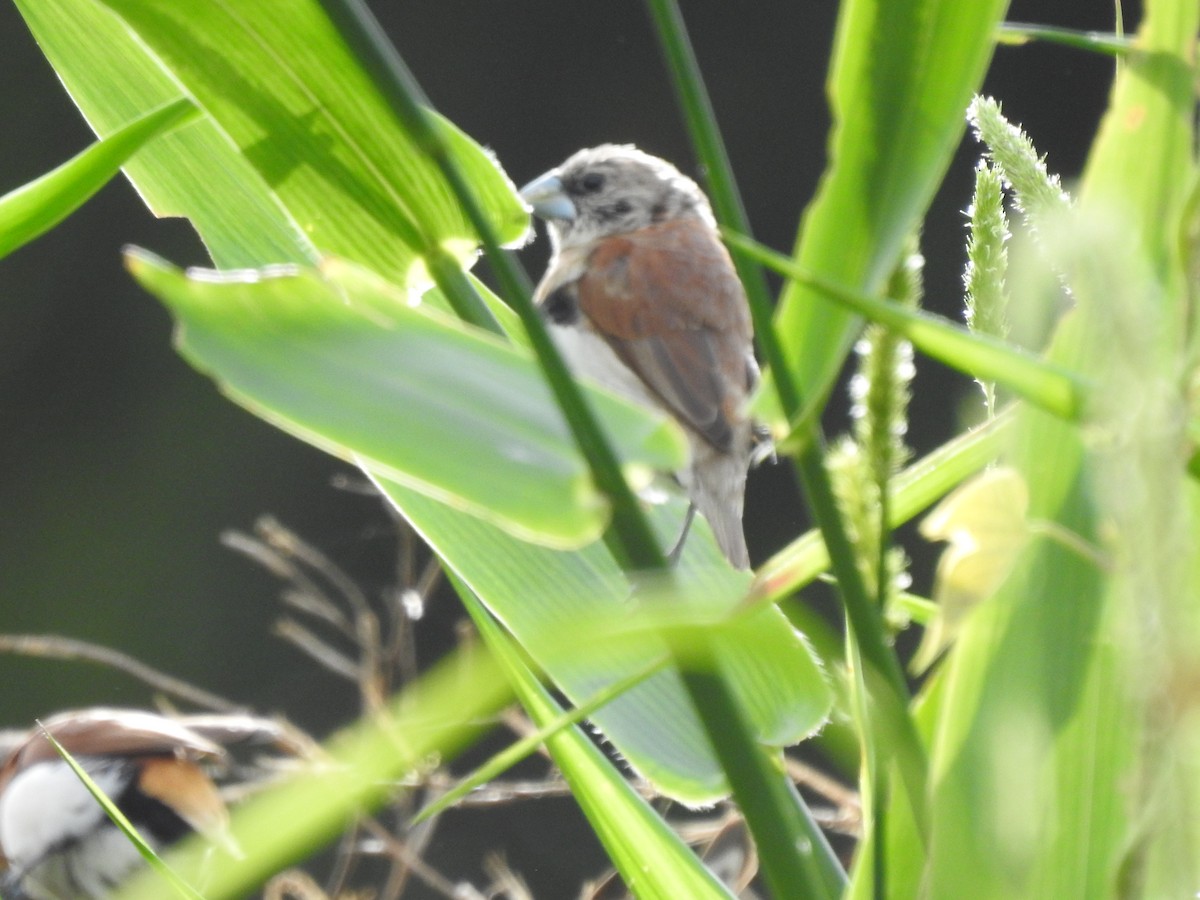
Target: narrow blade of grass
[[1050, 386], [516, 752], [34, 208], [169, 875]]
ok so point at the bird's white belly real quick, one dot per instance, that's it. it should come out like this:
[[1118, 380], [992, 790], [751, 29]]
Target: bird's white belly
[[46, 809], [591, 357]]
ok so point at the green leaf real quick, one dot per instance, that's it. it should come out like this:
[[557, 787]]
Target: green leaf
[[339, 358], [1019, 34], [1151, 117], [540, 595], [34, 208], [1058, 751], [280, 84], [903, 73], [300, 156]]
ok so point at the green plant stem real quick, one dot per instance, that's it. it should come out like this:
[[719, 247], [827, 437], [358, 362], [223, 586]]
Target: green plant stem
[[649, 855], [797, 860], [1019, 33], [375, 53], [864, 616], [634, 542], [718, 173], [862, 613]]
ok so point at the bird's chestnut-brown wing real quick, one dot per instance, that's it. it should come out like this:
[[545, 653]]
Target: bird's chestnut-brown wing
[[667, 300]]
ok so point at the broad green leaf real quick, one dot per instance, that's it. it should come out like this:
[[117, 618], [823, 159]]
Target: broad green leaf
[[902, 75], [1151, 112], [541, 594], [36, 207], [339, 358], [653, 861], [299, 155], [280, 84]]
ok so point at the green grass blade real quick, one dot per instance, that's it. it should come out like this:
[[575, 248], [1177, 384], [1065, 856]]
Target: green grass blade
[[299, 155], [902, 75], [193, 172], [160, 868], [379, 58], [34, 208], [1020, 33], [978, 355], [518, 750], [289, 94]]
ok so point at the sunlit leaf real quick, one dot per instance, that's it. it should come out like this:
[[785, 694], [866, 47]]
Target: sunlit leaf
[[339, 358], [902, 75], [541, 594], [298, 156]]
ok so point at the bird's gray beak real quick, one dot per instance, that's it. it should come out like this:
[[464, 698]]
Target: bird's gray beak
[[549, 198]]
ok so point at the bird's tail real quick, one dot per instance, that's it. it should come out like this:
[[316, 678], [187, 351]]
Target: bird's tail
[[718, 485]]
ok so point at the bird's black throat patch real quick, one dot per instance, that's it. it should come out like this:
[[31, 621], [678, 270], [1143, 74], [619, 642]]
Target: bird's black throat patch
[[561, 306]]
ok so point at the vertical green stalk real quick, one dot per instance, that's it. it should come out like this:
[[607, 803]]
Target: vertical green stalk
[[634, 541], [796, 859], [864, 616], [727, 202], [890, 691]]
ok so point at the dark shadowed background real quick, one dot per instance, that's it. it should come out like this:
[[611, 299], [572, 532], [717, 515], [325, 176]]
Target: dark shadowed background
[[120, 466]]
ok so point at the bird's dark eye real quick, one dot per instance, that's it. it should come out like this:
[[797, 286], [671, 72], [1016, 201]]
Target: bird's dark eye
[[591, 182]]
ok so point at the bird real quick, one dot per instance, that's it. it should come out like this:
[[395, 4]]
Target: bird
[[56, 841], [641, 295]]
